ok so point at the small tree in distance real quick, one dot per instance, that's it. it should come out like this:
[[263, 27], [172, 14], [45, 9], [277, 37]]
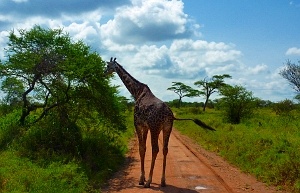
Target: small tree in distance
[[291, 72], [183, 90], [237, 103], [208, 87]]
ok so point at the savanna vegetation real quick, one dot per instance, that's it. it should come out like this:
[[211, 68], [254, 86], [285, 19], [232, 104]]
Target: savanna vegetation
[[265, 144], [63, 127]]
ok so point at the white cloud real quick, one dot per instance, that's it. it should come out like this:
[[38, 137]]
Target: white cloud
[[221, 56], [81, 31], [3, 42], [257, 69], [155, 20], [293, 51], [196, 57]]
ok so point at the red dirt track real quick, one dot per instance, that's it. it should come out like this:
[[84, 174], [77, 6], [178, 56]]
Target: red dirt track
[[190, 169]]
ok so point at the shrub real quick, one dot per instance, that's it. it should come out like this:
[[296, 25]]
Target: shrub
[[237, 103], [283, 107], [9, 128]]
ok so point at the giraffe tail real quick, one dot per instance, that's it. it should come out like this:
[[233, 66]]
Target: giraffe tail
[[202, 124], [198, 122]]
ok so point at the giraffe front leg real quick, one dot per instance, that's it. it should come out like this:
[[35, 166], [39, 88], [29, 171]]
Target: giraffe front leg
[[154, 155], [163, 177], [155, 150], [142, 135], [142, 156]]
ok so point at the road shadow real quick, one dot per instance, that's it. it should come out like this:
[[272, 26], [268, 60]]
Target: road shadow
[[155, 187], [173, 189], [121, 181]]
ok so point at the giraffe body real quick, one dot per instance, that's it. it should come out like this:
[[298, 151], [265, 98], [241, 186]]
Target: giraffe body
[[150, 114]]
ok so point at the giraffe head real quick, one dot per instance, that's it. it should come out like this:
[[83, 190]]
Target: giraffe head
[[111, 66]]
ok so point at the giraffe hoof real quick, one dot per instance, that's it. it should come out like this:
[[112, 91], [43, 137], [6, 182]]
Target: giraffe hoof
[[142, 180], [163, 184], [147, 185]]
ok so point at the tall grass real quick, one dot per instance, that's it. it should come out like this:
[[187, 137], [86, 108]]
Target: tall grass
[[18, 174], [267, 145]]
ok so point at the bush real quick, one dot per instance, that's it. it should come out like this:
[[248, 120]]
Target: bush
[[50, 137], [9, 129], [237, 103], [283, 107], [101, 155]]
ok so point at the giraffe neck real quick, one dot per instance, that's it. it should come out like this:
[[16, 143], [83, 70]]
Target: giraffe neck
[[135, 87]]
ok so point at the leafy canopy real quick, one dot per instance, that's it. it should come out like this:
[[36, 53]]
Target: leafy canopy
[[210, 86], [183, 90], [237, 103], [48, 73]]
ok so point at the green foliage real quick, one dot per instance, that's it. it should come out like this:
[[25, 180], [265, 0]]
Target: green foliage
[[67, 123], [208, 87], [183, 90], [266, 145], [9, 128], [98, 150], [284, 107], [174, 103], [43, 140], [237, 103], [51, 73], [21, 175], [13, 89]]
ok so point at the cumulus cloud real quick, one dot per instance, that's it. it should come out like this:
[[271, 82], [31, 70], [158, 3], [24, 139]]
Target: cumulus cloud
[[293, 51], [155, 20], [257, 69], [185, 59]]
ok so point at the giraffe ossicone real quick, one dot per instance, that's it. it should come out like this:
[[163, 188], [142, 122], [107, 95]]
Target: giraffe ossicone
[[150, 114]]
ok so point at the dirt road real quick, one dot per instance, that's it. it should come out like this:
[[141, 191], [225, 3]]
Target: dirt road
[[190, 169]]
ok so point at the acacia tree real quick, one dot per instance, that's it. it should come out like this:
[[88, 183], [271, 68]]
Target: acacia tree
[[210, 86], [291, 72], [183, 90], [57, 76]]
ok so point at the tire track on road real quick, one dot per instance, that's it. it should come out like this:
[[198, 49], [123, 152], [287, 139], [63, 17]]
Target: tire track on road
[[197, 154]]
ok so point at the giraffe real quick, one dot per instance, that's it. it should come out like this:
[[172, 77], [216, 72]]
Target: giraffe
[[150, 113]]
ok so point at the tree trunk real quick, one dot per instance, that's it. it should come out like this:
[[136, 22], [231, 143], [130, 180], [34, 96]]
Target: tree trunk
[[205, 104]]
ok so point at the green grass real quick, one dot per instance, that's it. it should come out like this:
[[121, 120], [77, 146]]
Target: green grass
[[267, 145], [22, 175]]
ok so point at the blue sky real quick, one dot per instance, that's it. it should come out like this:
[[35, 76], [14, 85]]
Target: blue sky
[[160, 41]]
